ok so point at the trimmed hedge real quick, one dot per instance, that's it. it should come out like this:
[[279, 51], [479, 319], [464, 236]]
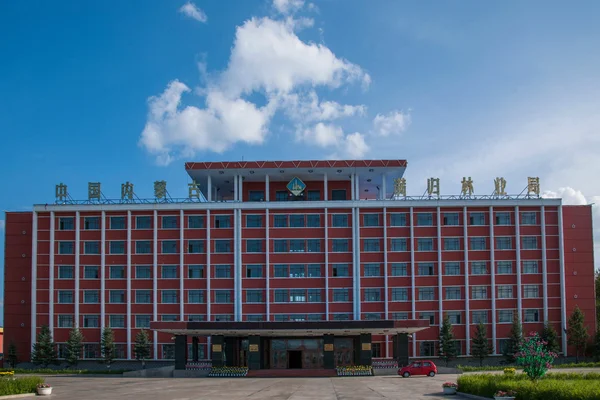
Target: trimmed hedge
[[27, 384], [467, 368], [50, 371], [558, 386]]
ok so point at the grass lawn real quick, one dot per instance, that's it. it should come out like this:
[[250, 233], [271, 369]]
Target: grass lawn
[[26, 384]]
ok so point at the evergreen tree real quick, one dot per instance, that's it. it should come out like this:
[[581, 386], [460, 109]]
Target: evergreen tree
[[447, 342], [142, 347], [107, 346], [74, 346], [44, 349], [480, 348], [550, 336], [598, 296], [577, 333], [597, 344], [516, 336], [11, 358]]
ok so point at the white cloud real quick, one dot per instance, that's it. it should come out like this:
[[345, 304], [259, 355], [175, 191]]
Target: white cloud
[[191, 10], [323, 135], [569, 196], [307, 108], [287, 6], [2, 224], [393, 123], [355, 146]]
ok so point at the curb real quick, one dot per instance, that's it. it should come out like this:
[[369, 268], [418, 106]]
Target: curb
[[472, 396], [17, 396]]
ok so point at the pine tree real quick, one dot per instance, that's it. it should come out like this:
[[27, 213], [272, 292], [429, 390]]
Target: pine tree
[[107, 346], [11, 358], [481, 347], [142, 347], [550, 336], [577, 333], [447, 342], [516, 336], [74, 346], [597, 344], [44, 349]]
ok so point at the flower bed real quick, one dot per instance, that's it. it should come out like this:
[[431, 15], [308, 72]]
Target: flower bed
[[385, 364], [22, 385], [201, 365], [4, 374], [231, 372], [355, 370]]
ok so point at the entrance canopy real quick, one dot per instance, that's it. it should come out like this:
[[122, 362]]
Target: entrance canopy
[[297, 329]]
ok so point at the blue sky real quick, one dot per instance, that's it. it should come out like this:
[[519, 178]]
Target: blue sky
[[129, 91]]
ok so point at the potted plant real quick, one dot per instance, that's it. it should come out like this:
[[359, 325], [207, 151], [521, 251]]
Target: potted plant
[[450, 387], [502, 395], [44, 389]]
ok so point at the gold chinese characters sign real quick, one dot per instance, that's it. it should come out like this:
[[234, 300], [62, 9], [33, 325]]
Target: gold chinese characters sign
[[216, 348], [366, 346], [253, 348], [328, 346]]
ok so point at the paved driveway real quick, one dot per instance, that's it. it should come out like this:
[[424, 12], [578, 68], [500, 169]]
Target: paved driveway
[[343, 388]]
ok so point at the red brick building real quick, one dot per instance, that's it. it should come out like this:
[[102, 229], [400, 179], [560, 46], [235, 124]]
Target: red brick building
[[297, 241]]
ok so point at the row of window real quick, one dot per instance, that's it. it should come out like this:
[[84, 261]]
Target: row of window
[[144, 296], [92, 351], [451, 293]]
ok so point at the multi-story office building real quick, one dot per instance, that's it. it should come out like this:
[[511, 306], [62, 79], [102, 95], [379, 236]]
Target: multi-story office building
[[301, 241]]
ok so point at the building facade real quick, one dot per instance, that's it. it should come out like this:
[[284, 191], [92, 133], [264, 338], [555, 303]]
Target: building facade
[[297, 241]]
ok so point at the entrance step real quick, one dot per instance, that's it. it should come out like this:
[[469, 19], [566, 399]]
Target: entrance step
[[291, 373]]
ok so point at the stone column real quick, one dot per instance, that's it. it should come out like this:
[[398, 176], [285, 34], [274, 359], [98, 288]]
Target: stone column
[[401, 349], [328, 352], [254, 352], [365, 349], [217, 350], [195, 349], [180, 351]]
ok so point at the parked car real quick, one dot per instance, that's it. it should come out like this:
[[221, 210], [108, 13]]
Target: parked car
[[422, 367]]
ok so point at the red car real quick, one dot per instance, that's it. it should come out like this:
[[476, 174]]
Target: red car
[[422, 367]]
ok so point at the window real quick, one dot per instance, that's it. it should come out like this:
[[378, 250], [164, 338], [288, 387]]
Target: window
[[531, 291], [65, 272], [452, 244], [453, 293], [281, 295], [68, 247], [313, 245], [196, 318], [341, 317], [371, 244], [222, 271], [399, 269], [424, 219], [254, 221], [116, 296], [477, 218], [195, 296], [480, 317], [371, 220], [117, 272], [340, 245], [91, 321], [116, 321], [142, 321], [196, 271], [168, 272], [297, 271], [296, 221], [297, 295], [169, 222], [254, 296], [313, 220], [503, 243], [195, 246], [340, 270], [451, 219], [504, 267], [297, 245], [143, 272], [195, 221], [65, 223], [505, 316], [478, 292], [255, 318], [398, 244], [91, 223], [502, 218], [314, 270], [117, 247], [338, 194], [143, 222], [371, 316], [65, 296], [426, 294], [91, 350], [376, 350], [223, 221], [372, 270], [478, 268], [530, 267], [169, 297], [256, 195], [222, 296], [399, 294], [91, 296], [254, 245], [280, 221], [532, 316], [223, 317], [314, 195], [143, 296], [339, 220], [530, 242], [528, 218], [397, 219], [341, 295], [91, 272], [143, 247], [372, 294], [314, 295], [451, 268], [427, 349], [426, 269], [428, 315], [505, 292], [281, 195], [454, 317], [280, 270], [425, 244], [169, 246], [254, 271], [222, 246], [117, 222], [477, 243]]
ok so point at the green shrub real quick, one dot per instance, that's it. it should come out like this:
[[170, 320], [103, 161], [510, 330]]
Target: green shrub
[[50, 371], [468, 368], [25, 384]]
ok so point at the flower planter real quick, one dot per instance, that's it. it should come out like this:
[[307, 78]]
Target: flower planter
[[46, 391], [449, 390]]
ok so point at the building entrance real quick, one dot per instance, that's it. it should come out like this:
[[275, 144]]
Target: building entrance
[[294, 359]]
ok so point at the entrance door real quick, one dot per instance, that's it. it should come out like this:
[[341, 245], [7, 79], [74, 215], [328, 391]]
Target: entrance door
[[294, 359]]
